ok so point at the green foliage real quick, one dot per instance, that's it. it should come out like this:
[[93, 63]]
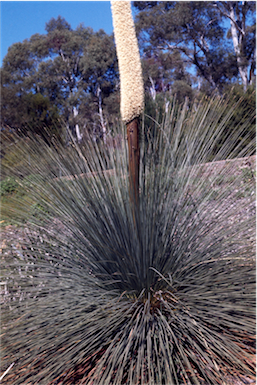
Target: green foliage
[[248, 175], [28, 111], [164, 72], [163, 295], [51, 75], [8, 186], [18, 204], [39, 211], [193, 34]]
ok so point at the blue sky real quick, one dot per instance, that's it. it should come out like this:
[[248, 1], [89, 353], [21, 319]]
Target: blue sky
[[21, 19]]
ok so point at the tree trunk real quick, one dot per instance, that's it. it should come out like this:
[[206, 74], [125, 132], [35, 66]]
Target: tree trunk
[[238, 43], [152, 88], [134, 157], [252, 68], [99, 95], [77, 130]]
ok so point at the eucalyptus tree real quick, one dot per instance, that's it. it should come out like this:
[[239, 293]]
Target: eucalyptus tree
[[191, 29], [165, 75], [61, 65], [27, 111], [65, 49], [17, 79], [100, 71], [242, 17]]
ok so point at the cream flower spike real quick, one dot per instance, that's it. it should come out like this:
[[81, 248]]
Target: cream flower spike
[[131, 79]]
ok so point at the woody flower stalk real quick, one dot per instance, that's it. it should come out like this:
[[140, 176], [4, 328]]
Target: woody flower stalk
[[131, 84]]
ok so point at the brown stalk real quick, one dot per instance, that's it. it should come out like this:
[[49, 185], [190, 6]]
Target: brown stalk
[[134, 154]]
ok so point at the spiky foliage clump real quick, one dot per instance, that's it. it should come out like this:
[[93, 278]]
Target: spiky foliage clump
[[101, 296]]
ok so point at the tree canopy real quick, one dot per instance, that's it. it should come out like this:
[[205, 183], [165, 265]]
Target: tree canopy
[[194, 34], [69, 77], [74, 70]]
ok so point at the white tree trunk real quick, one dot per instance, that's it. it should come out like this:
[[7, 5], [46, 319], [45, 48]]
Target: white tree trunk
[[152, 88], [238, 37], [99, 95], [77, 130]]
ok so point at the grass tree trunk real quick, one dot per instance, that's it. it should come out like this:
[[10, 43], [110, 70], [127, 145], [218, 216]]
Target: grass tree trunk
[[131, 85], [134, 156]]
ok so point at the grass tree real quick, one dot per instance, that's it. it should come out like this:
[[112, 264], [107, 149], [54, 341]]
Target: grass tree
[[93, 299]]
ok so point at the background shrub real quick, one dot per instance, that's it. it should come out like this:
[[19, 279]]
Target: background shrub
[[8, 186]]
